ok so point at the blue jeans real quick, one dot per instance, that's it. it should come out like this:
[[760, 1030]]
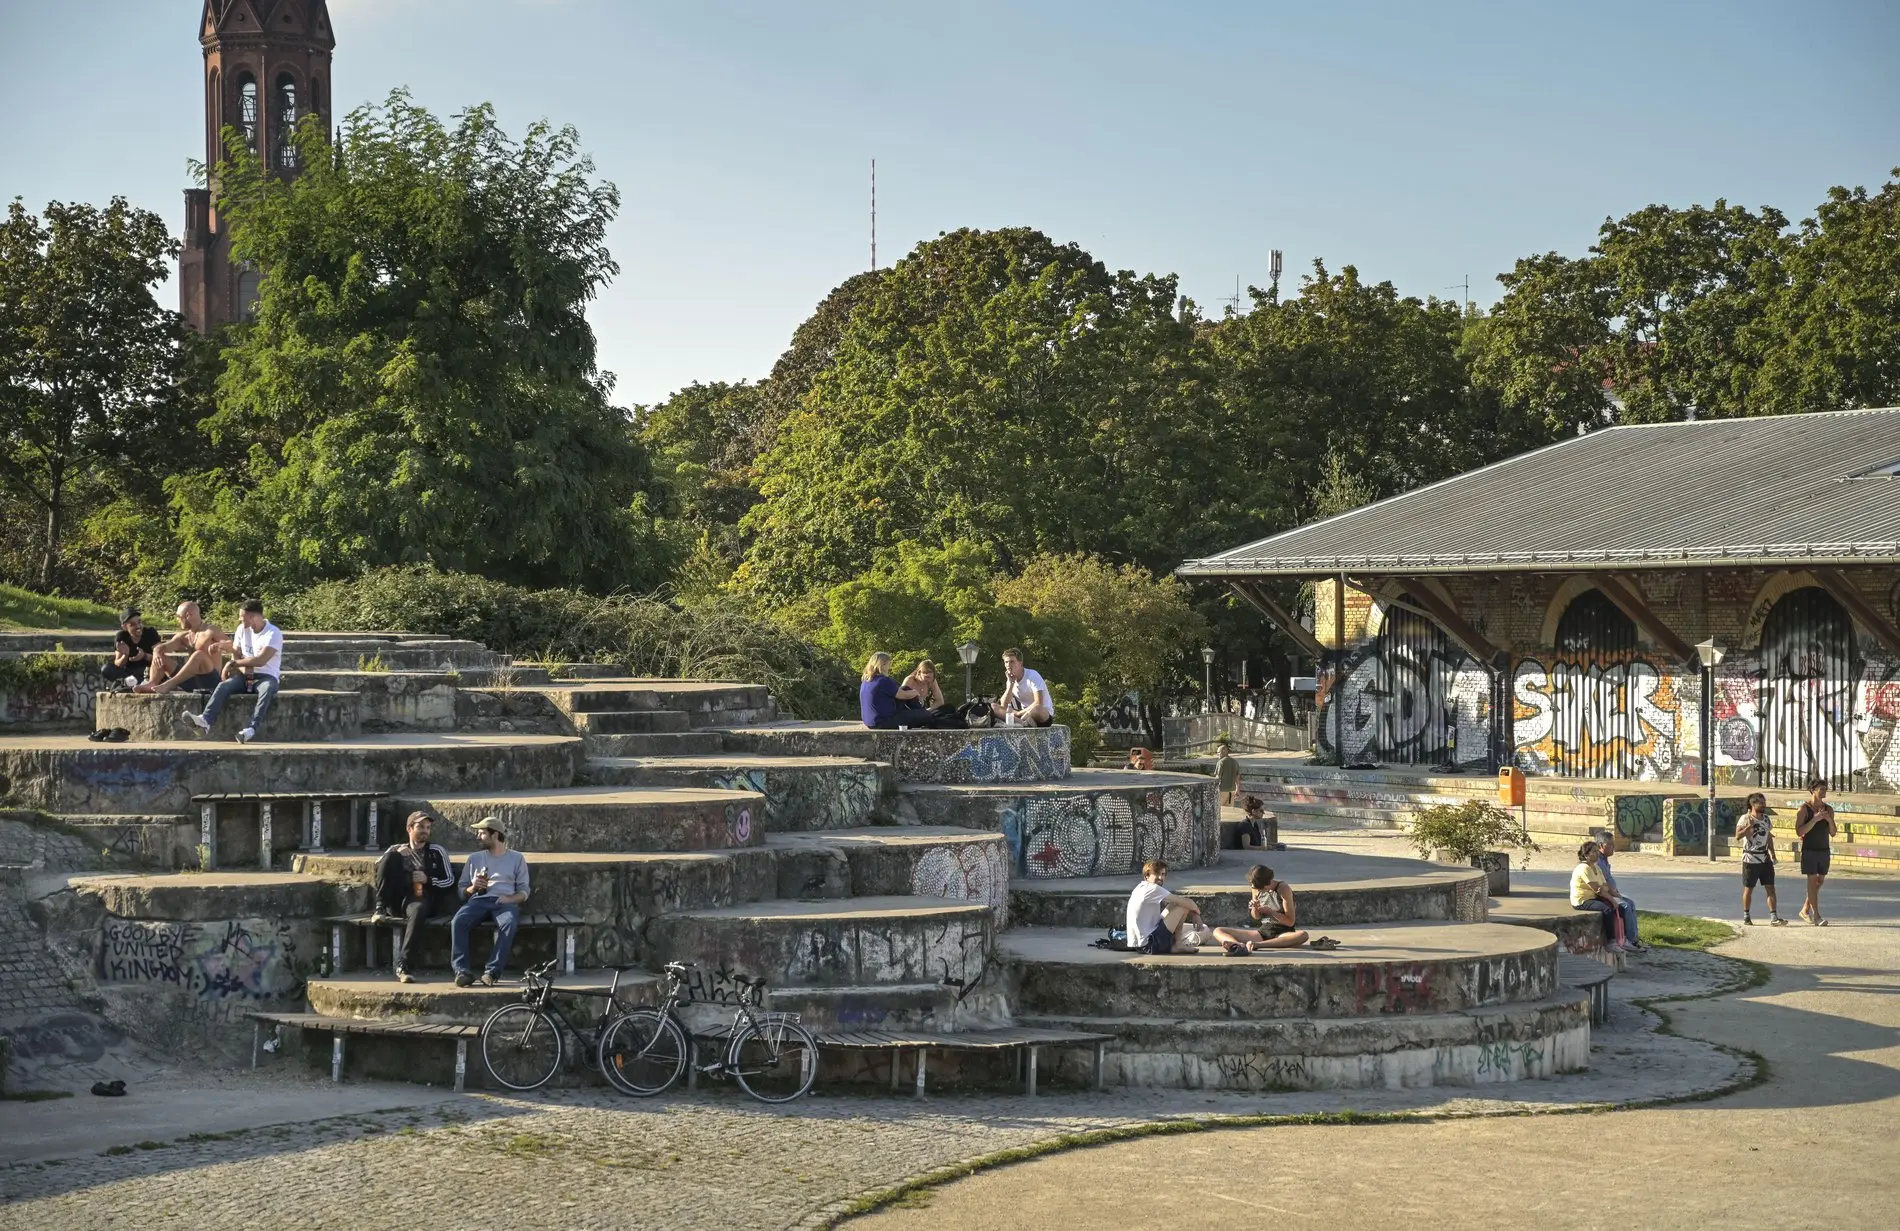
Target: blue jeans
[[265, 686], [507, 916], [1629, 920]]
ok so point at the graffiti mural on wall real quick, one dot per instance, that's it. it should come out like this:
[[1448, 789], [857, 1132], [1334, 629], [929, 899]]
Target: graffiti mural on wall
[[1408, 706], [1014, 754], [1591, 719], [965, 872], [253, 959], [63, 700], [843, 798], [1112, 833]]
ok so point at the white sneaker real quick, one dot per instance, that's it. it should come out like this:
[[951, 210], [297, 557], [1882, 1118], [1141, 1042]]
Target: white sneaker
[[247, 735], [198, 720]]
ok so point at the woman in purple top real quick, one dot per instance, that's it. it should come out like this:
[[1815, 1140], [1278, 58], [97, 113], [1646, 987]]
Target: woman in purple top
[[880, 698]]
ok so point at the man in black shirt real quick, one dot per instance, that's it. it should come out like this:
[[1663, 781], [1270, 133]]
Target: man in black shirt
[[131, 650], [414, 881]]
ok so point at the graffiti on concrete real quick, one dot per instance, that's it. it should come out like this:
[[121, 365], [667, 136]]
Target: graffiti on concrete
[[1111, 833], [1636, 815], [62, 1038], [1586, 718], [721, 986], [965, 872], [739, 824], [1392, 987], [1012, 754], [64, 698], [1407, 704], [252, 959], [841, 798]]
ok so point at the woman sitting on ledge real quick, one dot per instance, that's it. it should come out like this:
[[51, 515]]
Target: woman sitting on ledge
[[886, 705]]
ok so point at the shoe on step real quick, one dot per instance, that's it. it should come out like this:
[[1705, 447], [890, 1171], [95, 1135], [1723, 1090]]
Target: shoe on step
[[403, 975], [1778, 921], [99, 736], [489, 978], [247, 735], [198, 721], [1747, 920], [464, 978]]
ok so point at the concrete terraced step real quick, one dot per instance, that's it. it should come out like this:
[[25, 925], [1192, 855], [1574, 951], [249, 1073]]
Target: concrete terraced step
[[892, 1006], [704, 703], [434, 996], [991, 755], [388, 700], [202, 896], [66, 773], [630, 722], [296, 716], [862, 941], [654, 744], [616, 894], [601, 818], [1466, 1047], [1549, 910], [801, 793], [1355, 891], [1379, 969], [1095, 822], [961, 865], [160, 840]]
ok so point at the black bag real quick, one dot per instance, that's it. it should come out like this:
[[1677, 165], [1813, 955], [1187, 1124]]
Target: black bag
[[977, 714]]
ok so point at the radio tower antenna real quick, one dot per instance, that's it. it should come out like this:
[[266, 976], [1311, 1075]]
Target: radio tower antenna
[[874, 214]]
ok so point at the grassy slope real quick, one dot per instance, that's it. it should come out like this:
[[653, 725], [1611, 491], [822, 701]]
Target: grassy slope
[[25, 609]]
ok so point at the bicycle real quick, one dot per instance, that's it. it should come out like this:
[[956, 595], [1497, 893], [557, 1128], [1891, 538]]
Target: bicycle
[[522, 1044], [770, 1055]]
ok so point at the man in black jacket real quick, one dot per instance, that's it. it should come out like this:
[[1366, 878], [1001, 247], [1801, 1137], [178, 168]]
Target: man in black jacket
[[414, 881]]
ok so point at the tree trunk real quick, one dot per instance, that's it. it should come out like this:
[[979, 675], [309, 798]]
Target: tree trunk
[[49, 560]]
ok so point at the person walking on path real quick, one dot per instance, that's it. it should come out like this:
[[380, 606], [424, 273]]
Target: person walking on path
[[495, 881], [1814, 824], [414, 883], [1227, 775], [1756, 830]]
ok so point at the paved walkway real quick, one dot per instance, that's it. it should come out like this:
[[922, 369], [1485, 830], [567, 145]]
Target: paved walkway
[[589, 1159]]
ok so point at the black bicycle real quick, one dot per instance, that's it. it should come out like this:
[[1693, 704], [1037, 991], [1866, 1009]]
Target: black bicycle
[[523, 1044], [770, 1055]]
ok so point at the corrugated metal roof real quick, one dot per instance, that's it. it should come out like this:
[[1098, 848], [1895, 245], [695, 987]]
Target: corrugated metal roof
[[1766, 491]]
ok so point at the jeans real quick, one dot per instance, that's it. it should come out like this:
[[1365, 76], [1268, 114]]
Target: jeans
[[1629, 920], [265, 686], [1608, 915], [507, 916]]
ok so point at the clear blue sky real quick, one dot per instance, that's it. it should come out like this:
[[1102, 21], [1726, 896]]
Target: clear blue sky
[[1421, 142]]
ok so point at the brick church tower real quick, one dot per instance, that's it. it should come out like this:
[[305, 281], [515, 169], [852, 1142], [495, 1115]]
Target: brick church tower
[[267, 65]]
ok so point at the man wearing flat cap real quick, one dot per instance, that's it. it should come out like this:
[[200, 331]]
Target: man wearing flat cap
[[495, 882]]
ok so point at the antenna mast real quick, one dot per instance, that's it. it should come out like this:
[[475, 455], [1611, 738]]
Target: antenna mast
[[874, 213]]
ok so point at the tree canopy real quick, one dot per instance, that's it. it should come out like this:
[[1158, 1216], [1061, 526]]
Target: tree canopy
[[419, 382]]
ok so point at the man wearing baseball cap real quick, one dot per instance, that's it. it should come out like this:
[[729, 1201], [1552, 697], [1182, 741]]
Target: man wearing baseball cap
[[495, 882]]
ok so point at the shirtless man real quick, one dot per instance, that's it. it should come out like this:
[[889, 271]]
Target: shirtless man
[[206, 646]]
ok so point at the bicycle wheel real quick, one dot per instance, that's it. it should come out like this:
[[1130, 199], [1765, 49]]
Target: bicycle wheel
[[773, 1061], [521, 1047], [642, 1052]]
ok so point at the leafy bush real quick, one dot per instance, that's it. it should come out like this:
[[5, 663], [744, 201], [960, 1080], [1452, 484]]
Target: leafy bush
[[646, 636], [1465, 831]]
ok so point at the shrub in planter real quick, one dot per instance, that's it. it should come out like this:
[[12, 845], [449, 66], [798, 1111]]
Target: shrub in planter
[[1477, 833]]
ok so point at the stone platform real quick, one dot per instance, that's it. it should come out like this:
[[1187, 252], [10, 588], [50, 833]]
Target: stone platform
[[801, 792], [434, 996], [296, 716], [962, 865], [1093, 822], [993, 755], [65, 773], [601, 818], [1330, 890], [858, 942]]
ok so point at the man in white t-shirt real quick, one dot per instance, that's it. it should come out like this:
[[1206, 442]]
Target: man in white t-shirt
[[256, 666], [1026, 701], [1155, 916]]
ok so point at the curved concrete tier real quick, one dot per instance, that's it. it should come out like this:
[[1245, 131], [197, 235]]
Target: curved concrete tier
[[1379, 970], [1095, 822], [1330, 889], [202, 896], [1549, 910], [995, 754], [1511, 1042], [65, 773], [702, 703], [390, 700], [434, 996], [601, 818], [800, 793], [296, 717], [862, 941], [961, 865]]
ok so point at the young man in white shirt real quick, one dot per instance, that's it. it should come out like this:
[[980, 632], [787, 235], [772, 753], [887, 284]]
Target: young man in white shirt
[[1155, 916], [1026, 701], [256, 666]]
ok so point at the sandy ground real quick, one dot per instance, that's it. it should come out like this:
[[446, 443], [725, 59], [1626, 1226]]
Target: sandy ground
[[1816, 1145]]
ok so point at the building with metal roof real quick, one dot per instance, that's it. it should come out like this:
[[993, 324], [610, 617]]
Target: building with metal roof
[[1547, 610]]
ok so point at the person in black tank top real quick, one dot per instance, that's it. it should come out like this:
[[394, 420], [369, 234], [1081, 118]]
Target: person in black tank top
[[1814, 824]]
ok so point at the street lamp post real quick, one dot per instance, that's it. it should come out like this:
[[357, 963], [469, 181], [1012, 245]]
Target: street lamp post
[[1207, 661], [966, 653], [1711, 655]]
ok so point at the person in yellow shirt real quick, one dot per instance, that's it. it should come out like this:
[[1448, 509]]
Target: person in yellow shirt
[[1589, 891]]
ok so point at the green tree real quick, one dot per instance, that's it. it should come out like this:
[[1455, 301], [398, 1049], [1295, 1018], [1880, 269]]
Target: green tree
[[94, 376], [419, 382], [995, 387]]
